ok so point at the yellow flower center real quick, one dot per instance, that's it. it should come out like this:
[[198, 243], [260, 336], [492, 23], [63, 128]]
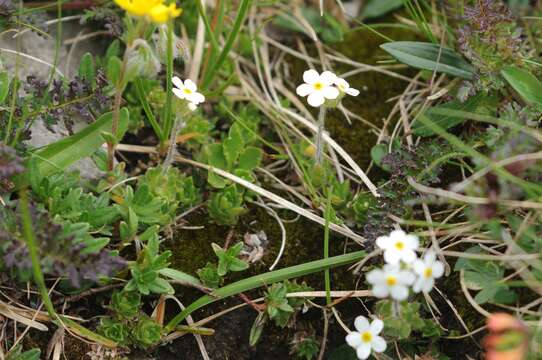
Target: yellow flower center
[[399, 245], [366, 336], [391, 280], [187, 91], [318, 85], [428, 272]]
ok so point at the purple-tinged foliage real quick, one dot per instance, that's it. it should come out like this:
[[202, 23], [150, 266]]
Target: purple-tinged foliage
[[10, 163]]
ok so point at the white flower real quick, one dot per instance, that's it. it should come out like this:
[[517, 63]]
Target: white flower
[[398, 246], [318, 87], [391, 280], [187, 90], [366, 337], [344, 87], [427, 270]]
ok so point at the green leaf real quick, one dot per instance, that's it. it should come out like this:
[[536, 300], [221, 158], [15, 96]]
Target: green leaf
[[250, 158], [233, 146], [443, 117], [378, 8], [525, 83], [180, 276], [86, 69], [267, 278], [377, 154], [114, 66], [160, 286], [4, 86], [428, 56], [63, 153]]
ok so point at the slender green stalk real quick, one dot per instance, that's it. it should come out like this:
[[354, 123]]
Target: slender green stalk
[[210, 32], [147, 109], [327, 277], [320, 135], [168, 120], [265, 280], [28, 233], [243, 10]]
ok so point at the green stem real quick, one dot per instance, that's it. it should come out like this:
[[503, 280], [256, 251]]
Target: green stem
[[168, 121], [327, 274], [265, 280], [243, 9], [28, 233], [320, 135], [147, 109]]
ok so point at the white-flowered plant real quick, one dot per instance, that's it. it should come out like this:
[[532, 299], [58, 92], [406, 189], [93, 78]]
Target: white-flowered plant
[[366, 339], [427, 270], [187, 91], [344, 87], [318, 87], [391, 281], [398, 246]]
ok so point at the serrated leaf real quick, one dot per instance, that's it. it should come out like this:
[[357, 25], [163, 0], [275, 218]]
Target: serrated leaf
[[61, 154], [429, 56], [250, 158], [525, 83]]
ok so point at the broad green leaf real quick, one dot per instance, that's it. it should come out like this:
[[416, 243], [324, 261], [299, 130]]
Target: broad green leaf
[[4, 86], [180, 276], [63, 153], [232, 146], [429, 56], [250, 158], [114, 66], [443, 114], [525, 83], [377, 154], [378, 8], [267, 278], [86, 69], [215, 158]]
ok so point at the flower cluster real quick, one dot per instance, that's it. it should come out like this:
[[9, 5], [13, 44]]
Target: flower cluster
[[188, 91], [154, 10], [319, 88], [403, 269], [365, 339]]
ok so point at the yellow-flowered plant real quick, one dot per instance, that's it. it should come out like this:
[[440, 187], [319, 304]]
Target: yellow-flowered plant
[[155, 10]]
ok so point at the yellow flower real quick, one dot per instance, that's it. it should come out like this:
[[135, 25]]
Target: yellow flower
[[155, 10]]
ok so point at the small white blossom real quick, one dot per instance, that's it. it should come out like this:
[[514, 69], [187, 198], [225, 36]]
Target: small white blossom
[[318, 87], [188, 91], [391, 281], [344, 87], [398, 246], [366, 338], [427, 271]]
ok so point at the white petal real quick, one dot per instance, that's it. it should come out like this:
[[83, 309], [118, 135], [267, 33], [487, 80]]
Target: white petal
[[376, 326], [331, 92], [195, 97], [315, 99], [392, 256], [361, 324], [399, 292], [192, 106], [342, 83], [438, 269], [428, 285], [179, 93], [406, 277], [328, 78], [419, 267], [375, 276], [408, 256], [351, 91], [383, 242], [190, 85], [381, 291], [353, 339], [363, 351], [412, 242], [418, 285], [304, 90], [397, 235], [430, 257], [311, 76], [177, 82], [378, 344]]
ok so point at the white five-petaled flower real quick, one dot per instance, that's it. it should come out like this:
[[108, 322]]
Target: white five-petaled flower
[[366, 338], [427, 271], [318, 87], [188, 91], [344, 87], [391, 281], [398, 246]]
